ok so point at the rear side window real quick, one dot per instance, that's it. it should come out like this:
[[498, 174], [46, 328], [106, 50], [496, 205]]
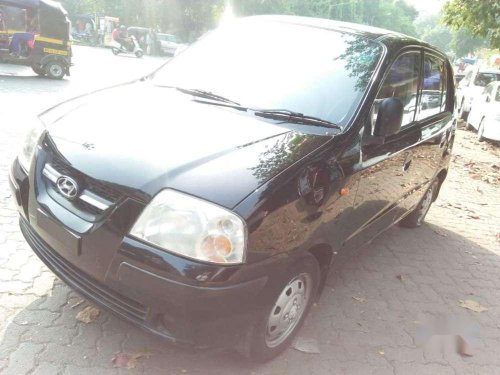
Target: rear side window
[[402, 83], [434, 87]]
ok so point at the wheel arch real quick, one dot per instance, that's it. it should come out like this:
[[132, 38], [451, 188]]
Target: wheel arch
[[441, 176], [323, 254]]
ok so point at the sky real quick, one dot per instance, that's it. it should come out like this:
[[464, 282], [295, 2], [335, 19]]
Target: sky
[[427, 7]]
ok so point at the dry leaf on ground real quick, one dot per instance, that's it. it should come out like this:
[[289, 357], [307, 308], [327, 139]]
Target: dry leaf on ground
[[88, 315], [472, 305], [359, 299], [440, 233], [129, 361], [306, 345], [400, 278]]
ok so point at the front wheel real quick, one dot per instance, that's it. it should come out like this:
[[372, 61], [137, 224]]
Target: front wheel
[[416, 218], [139, 54], [462, 114], [480, 131], [55, 70], [115, 51], [277, 327]]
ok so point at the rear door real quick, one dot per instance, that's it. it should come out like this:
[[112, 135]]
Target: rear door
[[435, 119]]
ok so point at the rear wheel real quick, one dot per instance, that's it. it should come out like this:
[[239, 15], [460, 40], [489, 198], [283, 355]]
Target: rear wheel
[[55, 70], [276, 329], [480, 131], [416, 218], [38, 69]]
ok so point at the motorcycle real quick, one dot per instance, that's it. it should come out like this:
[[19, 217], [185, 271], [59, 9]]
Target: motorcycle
[[132, 47]]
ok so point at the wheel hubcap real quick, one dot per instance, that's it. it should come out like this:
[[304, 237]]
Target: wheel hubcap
[[288, 310], [55, 70], [426, 204]]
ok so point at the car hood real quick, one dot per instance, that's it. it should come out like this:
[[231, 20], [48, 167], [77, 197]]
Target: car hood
[[147, 138]]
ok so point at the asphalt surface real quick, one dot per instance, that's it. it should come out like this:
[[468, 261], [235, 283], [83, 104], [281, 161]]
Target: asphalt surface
[[375, 315]]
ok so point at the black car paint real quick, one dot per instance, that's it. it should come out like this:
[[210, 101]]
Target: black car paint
[[302, 192]]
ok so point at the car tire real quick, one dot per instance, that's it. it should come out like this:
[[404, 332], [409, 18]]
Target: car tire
[[262, 342], [38, 69], [416, 218], [480, 131], [462, 114], [55, 70]]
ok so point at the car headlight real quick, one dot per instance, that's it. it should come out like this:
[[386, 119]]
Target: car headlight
[[193, 228], [30, 142]]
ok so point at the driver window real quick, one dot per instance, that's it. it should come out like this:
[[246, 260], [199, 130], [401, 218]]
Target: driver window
[[402, 83]]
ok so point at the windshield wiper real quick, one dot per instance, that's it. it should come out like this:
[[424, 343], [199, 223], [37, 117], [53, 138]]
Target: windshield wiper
[[206, 95], [295, 117]]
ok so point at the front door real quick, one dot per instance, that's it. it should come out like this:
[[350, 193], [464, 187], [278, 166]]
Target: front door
[[386, 170]]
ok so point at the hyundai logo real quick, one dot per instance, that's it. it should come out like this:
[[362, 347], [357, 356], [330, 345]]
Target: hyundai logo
[[67, 187]]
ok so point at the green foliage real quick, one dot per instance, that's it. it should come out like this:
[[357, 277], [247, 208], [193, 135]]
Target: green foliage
[[457, 42], [190, 18], [480, 17]]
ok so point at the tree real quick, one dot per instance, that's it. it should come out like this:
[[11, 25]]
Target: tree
[[480, 17]]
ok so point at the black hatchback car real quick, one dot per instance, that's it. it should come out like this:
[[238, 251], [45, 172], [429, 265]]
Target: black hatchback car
[[208, 209]]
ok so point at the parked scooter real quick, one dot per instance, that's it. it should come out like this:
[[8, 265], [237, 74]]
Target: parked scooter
[[132, 47]]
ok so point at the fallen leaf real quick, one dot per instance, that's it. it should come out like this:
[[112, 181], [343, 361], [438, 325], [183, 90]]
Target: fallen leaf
[[472, 305], [88, 315], [401, 278], [74, 306], [417, 322], [129, 361], [359, 299], [474, 216], [306, 345], [381, 352]]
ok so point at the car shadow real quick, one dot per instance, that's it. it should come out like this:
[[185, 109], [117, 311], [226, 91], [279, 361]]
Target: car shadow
[[366, 318]]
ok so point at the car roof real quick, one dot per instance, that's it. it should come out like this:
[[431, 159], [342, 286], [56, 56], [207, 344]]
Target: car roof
[[353, 28], [387, 37]]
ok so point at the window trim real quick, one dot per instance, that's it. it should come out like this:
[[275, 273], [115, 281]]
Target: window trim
[[407, 50], [445, 62]]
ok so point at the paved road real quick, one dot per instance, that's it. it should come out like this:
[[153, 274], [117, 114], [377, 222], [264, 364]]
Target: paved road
[[401, 280]]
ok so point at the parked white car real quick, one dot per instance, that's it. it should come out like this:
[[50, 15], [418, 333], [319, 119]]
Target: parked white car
[[471, 87], [485, 113], [170, 44]]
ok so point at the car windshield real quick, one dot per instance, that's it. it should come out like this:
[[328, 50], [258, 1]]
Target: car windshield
[[483, 79], [276, 65]]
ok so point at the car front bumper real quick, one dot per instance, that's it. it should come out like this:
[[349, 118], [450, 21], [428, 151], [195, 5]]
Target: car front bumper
[[185, 302]]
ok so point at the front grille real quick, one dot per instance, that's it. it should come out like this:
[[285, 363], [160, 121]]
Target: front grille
[[105, 191], [91, 288]]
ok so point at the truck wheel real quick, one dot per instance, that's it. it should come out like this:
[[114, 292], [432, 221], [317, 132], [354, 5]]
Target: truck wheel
[[55, 70], [416, 218], [277, 327], [38, 69]]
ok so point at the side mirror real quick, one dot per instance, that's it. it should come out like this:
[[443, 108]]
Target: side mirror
[[389, 117]]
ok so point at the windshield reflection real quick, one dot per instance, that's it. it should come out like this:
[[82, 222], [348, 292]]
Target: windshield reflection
[[269, 64]]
